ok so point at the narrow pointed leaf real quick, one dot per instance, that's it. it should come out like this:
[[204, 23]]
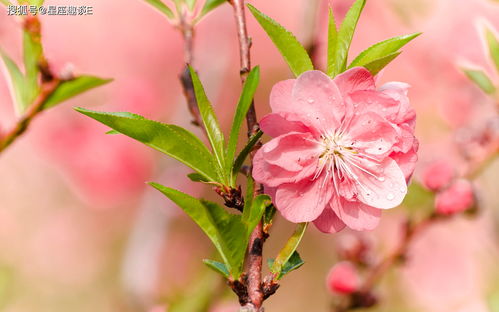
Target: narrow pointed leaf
[[196, 177], [242, 108], [480, 78], [71, 88], [253, 213], [32, 52], [493, 45], [332, 43], [210, 5], [210, 121], [238, 163], [377, 65], [293, 263], [226, 231], [17, 83], [217, 267], [345, 35], [288, 250], [5, 2], [163, 8], [382, 49], [293, 52], [172, 140]]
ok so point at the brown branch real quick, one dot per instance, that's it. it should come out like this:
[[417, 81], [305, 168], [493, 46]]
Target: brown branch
[[187, 32], [23, 123], [254, 257]]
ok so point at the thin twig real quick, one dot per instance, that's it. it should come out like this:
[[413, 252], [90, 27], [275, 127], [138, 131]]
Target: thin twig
[[187, 31], [49, 82], [254, 257]]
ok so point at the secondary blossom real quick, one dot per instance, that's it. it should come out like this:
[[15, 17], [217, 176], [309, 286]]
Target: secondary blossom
[[341, 151]]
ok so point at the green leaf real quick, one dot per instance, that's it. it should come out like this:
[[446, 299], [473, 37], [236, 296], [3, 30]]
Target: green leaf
[[480, 78], [377, 65], [210, 5], [190, 4], [288, 250], [226, 231], [163, 8], [252, 213], [242, 108], [345, 35], [419, 202], [217, 267], [198, 295], [293, 52], [268, 216], [382, 49], [493, 45], [71, 88], [5, 2], [293, 263], [169, 139], [196, 177], [215, 135], [238, 163], [18, 83], [32, 52], [332, 43]]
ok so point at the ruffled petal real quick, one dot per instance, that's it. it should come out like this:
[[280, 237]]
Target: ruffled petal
[[384, 188], [357, 216], [372, 134], [303, 201], [407, 161], [318, 100], [292, 151], [277, 124], [280, 96], [328, 221], [355, 79], [377, 102], [273, 176]]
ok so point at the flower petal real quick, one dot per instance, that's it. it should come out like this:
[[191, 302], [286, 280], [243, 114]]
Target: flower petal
[[280, 96], [357, 216], [303, 201], [318, 100], [372, 134], [328, 221], [272, 175], [292, 151], [407, 161], [377, 102], [278, 124], [385, 189], [355, 79]]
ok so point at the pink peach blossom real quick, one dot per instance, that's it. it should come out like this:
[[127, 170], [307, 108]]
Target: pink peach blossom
[[343, 278], [342, 150], [457, 198], [438, 175]]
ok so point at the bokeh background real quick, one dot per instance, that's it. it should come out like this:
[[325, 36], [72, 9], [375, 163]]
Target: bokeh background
[[80, 230]]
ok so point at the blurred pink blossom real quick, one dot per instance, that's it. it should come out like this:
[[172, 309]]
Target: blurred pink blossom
[[457, 198], [438, 175], [343, 278], [340, 147]]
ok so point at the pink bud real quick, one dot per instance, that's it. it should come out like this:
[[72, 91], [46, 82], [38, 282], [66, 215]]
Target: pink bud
[[457, 198], [438, 175], [343, 278]]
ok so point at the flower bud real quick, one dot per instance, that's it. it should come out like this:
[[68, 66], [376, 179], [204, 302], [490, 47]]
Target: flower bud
[[438, 175], [343, 278], [457, 198]]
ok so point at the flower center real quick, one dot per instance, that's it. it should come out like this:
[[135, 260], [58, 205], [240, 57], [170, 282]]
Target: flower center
[[340, 161]]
